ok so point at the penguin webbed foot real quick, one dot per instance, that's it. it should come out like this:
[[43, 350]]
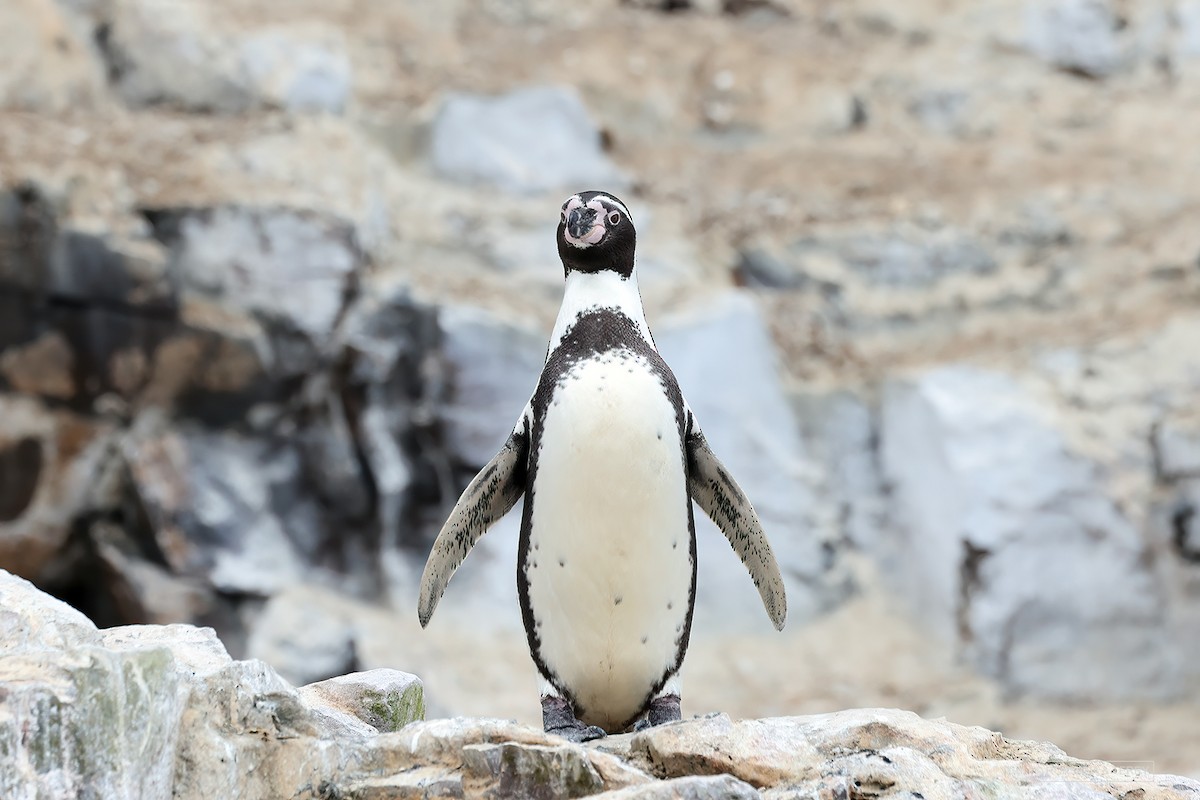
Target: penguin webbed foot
[[559, 719], [663, 709]]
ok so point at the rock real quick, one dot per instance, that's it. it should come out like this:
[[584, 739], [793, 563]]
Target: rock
[[908, 258], [303, 69], [1007, 541], [32, 620], [528, 771], [530, 140], [140, 589], [493, 365], [841, 432], [873, 750], [385, 699], [243, 257], [1185, 523], [143, 46], [212, 506], [943, 110], [45, 252], [44, 64], [75, 716], [194, 59], [305, 633], [719, 787], [1177, 447], [1075, 35], [53, 470], [157, 712], [715, 351]]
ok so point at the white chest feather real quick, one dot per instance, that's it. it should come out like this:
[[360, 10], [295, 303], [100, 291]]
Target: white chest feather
[[609, 567]]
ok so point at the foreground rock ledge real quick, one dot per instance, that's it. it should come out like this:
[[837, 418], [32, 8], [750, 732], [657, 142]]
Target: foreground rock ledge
[[164, 712]]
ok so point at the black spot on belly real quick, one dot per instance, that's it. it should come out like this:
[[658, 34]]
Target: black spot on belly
[[617, 600], [562, 562], [675, 545], [660, 436], [670, 606], [645, 639]]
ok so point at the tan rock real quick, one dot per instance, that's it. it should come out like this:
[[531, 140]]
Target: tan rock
[[55, 466], [44, 64], [42, 367]]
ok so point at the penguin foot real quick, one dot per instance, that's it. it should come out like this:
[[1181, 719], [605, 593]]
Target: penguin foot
[[559, 718], [664, 708]]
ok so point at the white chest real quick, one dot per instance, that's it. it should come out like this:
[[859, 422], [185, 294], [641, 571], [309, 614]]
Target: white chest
[[609, 570]]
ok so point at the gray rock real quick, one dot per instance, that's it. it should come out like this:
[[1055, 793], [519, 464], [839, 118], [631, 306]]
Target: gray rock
[[384, 699], [511, 770], [157, 712], [1075, 35], [76, 717], [1008, 542], [493, 365], [1177, 447], [246, 257], [305, 633], [43, 250], [908, 258], [209, 500], [943, 111], [298, 69], [194, 59], [841, 431], [716, 351], [530, 140], [1185, 530], [694, 787], [904, 257], [53, 469]]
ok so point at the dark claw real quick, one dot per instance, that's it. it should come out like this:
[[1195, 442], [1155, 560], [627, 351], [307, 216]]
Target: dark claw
[[579, 732]]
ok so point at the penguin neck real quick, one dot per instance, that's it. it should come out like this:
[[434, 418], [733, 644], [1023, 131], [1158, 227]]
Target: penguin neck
[[593, 291]]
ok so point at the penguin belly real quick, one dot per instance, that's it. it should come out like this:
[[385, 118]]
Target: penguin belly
[[609, 568]]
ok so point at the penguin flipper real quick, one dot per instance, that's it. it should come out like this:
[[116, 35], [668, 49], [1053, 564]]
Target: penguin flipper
[[717, 493], [488, 497]]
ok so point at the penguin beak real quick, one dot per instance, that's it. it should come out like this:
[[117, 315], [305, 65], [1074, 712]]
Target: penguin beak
[[580, 222]]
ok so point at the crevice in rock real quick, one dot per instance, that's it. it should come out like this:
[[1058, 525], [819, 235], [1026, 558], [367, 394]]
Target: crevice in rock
[[1185, 533], [969, 581], [114, 63], [20, 471]]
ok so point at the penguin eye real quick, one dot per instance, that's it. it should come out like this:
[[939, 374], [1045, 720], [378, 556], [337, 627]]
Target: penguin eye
[[614, 217]]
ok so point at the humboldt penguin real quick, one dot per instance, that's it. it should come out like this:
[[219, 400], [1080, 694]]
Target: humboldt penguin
[[609, 458]]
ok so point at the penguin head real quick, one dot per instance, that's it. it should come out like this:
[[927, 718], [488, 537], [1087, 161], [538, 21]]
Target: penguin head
[[595, 232]]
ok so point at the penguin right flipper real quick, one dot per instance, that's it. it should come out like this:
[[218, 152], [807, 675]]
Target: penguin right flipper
[[489, 496], [717, 493]]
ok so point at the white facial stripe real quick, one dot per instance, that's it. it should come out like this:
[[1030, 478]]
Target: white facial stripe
[[611, 201], [575, 201]]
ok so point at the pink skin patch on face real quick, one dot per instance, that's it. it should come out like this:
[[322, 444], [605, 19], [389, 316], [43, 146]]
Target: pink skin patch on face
[[598, 230]]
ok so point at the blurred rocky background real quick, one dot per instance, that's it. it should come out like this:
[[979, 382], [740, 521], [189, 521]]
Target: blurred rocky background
[[275, 282]]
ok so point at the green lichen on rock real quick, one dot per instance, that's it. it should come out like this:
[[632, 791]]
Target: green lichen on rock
[[45, 740], [391, 710]]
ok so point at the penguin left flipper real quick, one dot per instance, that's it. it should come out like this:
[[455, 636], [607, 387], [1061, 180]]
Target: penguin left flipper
[[489, 496], [717, 493]]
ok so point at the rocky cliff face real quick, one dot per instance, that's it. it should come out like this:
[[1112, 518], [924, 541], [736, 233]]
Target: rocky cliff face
[[147, 711], [271, 290]]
